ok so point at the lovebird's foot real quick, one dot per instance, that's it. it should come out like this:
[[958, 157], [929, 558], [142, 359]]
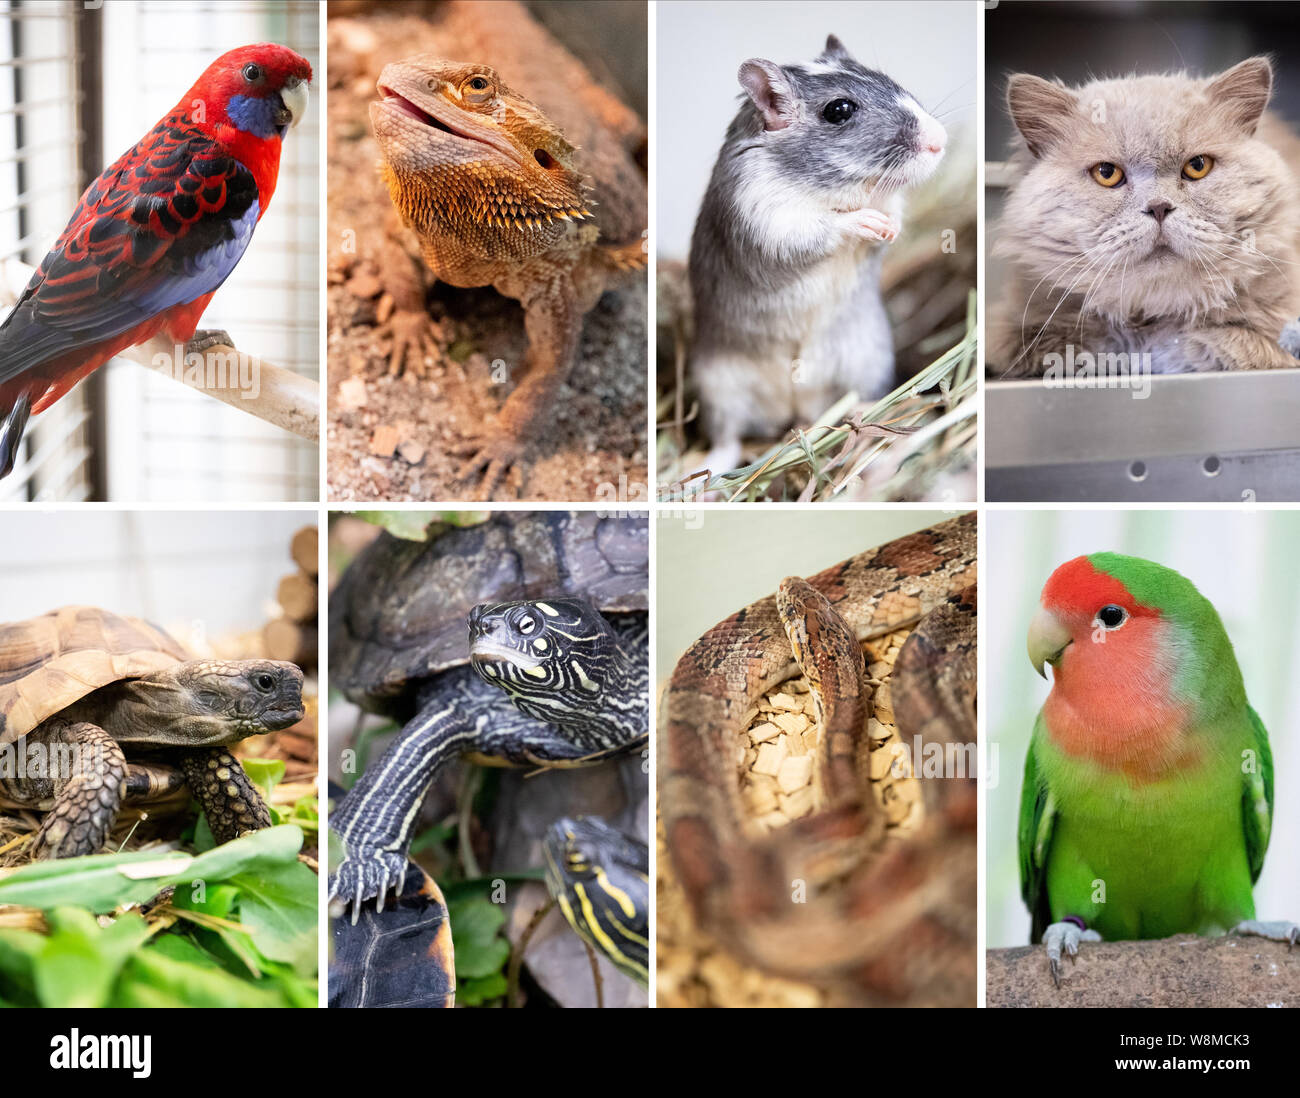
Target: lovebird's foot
[[207, 338], [1065, 936], [1277, 930], [367, 873]]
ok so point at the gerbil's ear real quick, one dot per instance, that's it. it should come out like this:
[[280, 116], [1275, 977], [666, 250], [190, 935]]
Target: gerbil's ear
[[768, 87], [835, 48], [1041, 110], [1242, 92]]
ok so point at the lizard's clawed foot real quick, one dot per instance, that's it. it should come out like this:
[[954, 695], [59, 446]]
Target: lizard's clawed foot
[[872, 224], [207, 338], [497, 453], [1065, 936], [413, 342], [1277, 930]]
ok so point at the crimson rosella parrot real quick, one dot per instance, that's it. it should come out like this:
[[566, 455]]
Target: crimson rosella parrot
[[1148, 794], [155, 235]]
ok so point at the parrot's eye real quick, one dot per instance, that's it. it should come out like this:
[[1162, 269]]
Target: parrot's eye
[[252, 73], [1112, 617]]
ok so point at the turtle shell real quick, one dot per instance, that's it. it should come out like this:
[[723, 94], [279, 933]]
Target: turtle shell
[[47, 663], [399, 613]]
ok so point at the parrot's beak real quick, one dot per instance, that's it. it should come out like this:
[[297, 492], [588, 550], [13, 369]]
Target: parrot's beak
[[1048, 638], [294, 96]]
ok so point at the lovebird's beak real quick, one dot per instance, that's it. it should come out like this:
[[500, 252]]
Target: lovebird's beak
[[1048, 638], [294, 95]]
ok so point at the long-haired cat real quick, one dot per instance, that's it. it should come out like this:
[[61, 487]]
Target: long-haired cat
[[1155, 216]]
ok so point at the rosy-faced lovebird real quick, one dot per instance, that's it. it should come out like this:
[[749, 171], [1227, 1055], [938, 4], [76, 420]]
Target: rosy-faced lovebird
[[1148, 790], [154, 235]]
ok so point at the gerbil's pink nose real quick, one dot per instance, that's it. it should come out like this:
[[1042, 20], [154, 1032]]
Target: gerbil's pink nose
[[933, 136]]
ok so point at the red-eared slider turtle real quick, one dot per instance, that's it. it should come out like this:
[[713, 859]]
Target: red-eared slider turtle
[[97, 710], [518, 642]]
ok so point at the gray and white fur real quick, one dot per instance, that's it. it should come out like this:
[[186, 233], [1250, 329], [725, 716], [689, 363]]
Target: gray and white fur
[[785, 257]]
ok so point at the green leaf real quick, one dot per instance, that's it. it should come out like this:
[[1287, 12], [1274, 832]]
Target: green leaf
[[475, 921], [409, 525], [479, 990], [279, 911], [80, 961], [266, 774], [103, 882], [152, 978]]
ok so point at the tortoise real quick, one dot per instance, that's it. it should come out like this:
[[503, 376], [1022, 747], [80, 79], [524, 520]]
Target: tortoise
[[98, 710], [521, 641]]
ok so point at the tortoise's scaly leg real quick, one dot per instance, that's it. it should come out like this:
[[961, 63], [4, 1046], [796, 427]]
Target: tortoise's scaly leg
[[86, 771], [229, 799]]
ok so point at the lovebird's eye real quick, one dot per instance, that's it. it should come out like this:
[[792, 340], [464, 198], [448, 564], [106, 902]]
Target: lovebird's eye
[[838, 111], [1112, 617], [252, 73]]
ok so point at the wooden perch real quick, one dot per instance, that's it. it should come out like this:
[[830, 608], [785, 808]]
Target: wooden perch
[[1185, 971], [297, 597], [280, 397], [283, 398]]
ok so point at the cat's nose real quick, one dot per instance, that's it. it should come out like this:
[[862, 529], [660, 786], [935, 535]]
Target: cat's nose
[[1160, 210]]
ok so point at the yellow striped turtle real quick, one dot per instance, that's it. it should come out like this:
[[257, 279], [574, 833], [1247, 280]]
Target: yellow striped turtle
[[600, 878], [518, 642]]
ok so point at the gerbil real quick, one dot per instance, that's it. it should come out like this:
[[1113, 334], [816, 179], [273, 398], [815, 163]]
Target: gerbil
[[785, 257]]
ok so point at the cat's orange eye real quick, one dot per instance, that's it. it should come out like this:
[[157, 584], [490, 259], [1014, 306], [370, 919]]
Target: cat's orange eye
[[1197, 167], [1107, 174]]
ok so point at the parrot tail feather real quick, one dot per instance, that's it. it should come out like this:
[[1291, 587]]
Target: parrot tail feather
[[11, 432]]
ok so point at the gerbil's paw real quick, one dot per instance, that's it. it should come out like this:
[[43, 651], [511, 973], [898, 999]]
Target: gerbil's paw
[[496, 453], [413, 341], [872, 224]]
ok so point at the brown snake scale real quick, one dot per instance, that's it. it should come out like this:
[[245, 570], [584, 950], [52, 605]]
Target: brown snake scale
[[826, 898]]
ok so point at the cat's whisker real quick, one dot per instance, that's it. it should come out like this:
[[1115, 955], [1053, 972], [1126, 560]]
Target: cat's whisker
[[1054, 274]]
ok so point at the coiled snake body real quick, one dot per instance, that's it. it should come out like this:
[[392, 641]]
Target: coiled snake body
[[826, 898]]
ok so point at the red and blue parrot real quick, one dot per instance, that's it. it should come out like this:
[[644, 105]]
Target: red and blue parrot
[[155, 235]]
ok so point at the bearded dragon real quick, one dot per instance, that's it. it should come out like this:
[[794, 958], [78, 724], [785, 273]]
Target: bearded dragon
[[513, 169]]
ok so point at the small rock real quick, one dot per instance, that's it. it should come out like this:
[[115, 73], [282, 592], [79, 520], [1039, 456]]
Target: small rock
[[352, 394], [411, 452], [384, 441]]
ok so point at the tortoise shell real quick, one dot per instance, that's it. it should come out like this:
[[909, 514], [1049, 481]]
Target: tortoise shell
[[399, 613], [49, 662]]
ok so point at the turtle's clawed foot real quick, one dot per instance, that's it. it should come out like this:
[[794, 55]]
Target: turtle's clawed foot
[[1065, 936], [496, 452], [207, 338], [365, 874], [1278, 930]]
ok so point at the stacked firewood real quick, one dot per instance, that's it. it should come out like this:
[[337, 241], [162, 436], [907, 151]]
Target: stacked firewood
[[292, 636]]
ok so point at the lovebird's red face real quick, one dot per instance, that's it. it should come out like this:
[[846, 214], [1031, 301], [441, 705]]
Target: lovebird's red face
[[259, 90], [1114, 661]]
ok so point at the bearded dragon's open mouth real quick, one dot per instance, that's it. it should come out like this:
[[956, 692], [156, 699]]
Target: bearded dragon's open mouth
[[398, 102]]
